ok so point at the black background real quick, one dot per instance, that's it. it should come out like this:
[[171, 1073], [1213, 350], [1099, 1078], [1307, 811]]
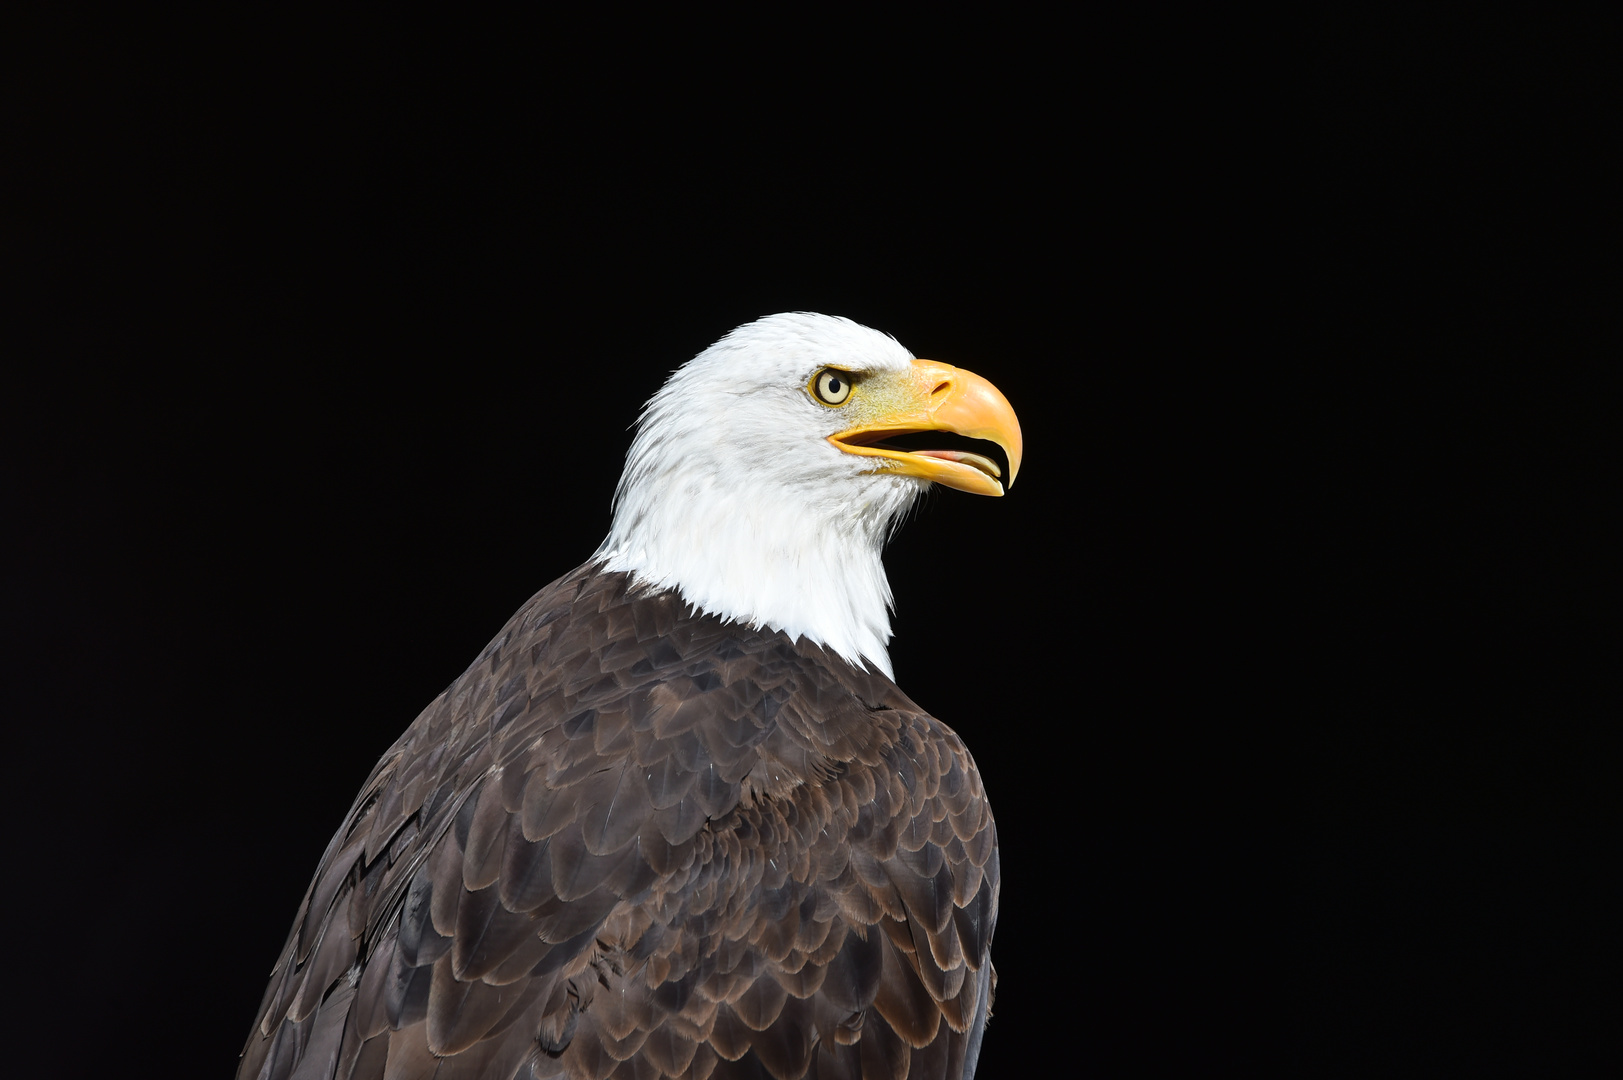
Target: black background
[[1290, 663]]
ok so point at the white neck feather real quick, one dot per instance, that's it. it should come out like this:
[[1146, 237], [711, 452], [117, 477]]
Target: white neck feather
[[724, 552]]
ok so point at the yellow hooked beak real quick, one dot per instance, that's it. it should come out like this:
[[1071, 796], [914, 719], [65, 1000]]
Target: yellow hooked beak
[[931, 396]]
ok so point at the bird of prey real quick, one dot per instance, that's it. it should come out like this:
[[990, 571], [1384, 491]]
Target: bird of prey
[[677, 819]]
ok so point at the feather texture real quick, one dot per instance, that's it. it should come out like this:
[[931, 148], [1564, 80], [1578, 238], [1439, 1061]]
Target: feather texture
[[636, 841]]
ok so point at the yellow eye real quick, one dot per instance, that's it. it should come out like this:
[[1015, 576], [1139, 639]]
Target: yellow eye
[[831, 387]]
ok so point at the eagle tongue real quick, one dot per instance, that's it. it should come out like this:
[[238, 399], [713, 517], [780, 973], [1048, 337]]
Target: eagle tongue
[[962, 457]]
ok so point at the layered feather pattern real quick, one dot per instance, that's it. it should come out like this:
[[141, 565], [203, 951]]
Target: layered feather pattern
[[636, 841]]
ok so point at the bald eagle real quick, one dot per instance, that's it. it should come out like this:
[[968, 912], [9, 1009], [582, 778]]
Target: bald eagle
[[677, 819]]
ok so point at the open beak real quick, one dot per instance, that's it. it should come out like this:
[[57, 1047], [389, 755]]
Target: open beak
[[938, 397]]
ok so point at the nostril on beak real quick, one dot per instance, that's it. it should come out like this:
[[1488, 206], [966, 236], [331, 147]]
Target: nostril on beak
[[941, 387]]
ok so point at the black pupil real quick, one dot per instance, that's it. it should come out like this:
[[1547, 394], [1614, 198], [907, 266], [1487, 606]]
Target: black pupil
[[833, 386]]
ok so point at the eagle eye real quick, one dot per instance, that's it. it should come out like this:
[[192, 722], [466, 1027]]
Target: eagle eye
[[831, 387]]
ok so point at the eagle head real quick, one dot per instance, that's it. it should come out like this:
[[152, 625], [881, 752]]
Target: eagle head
[[763, 482]]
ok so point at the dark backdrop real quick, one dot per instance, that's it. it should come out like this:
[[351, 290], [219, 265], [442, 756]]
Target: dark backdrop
[[1290, 663]]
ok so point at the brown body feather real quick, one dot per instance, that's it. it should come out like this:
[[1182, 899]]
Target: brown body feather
[[631, 841]]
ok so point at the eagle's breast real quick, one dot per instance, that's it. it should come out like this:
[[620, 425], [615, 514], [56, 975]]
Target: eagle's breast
[[631, 839]]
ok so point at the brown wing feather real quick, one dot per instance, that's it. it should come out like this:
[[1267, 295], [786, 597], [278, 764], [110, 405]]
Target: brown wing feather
[[634, 842]]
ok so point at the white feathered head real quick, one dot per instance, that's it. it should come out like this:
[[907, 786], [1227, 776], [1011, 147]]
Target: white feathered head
[[760, 484]]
